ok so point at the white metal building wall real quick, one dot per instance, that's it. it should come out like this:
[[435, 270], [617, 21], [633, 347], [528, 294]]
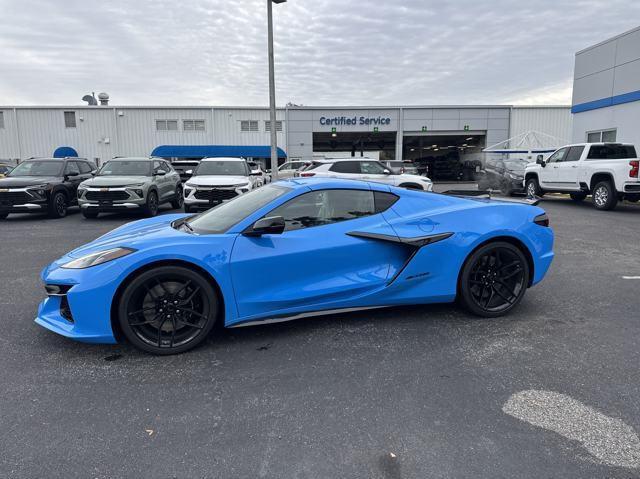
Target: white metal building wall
[[554, 121]]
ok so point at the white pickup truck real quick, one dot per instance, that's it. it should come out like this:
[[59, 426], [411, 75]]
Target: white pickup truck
[[607, 171]]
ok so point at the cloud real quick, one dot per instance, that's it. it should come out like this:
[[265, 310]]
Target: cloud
[[328, 52]]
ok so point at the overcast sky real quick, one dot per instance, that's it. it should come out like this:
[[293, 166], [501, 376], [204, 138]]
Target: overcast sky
[[328, 52]]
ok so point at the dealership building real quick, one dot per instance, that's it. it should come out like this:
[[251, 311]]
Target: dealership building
[[606, 91], [447, 136]]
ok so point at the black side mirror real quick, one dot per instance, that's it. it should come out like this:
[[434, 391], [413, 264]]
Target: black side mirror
[[387, 171], [267, 226], [72, 173], [94, 172], [160, 173], [540, 160]]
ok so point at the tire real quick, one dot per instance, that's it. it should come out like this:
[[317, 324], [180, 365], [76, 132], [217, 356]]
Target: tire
[[532, 188], [151, 208], [604, 196], [58, 205], [167, 310], [578, 196], [505, 189], [178, 200], [89, 214], [493, 279]]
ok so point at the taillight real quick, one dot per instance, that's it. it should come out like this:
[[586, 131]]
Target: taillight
[[542, 220], [307, 175], [635, 166], [402, 170]]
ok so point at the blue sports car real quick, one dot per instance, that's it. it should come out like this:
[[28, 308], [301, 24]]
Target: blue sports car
[[290, 249]]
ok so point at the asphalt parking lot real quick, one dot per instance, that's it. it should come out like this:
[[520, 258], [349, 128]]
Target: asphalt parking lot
[[549, 391]]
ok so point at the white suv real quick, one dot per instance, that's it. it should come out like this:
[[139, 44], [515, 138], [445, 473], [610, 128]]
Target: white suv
[[364, 169], [216, 180]]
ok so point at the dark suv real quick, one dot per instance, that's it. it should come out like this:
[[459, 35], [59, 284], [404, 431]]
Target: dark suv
[[46, 185]]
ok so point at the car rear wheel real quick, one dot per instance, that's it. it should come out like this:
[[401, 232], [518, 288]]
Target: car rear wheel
[[168, 310], [494, 279], [151, 209], [58, 205], [178, 200], [604, 196]]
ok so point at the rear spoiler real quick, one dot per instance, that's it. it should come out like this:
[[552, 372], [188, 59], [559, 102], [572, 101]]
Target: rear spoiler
[[486, 195]]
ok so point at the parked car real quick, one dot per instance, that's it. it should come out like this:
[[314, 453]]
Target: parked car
[[257, 170], [5, 169], [217, 180], [125, 184], [185, 168], [291, 249], [290, 167], [46, 185], [399, 167], [364, 169], [606, 171], [504, 175]]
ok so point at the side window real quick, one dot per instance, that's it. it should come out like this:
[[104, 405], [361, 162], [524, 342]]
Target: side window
[[71, 167], [165, 166], [558, 155], [371, 168], [156, 166], [384, 201], [85, 168], [352, 167], [575, 152], [319, 208], [286, 166]]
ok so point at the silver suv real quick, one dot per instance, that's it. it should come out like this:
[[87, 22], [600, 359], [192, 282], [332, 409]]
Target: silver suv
[[129, 184]]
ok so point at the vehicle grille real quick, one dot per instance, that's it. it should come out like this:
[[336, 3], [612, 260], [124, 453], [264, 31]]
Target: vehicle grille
[[215, 195], [106, 195], [14, 197]]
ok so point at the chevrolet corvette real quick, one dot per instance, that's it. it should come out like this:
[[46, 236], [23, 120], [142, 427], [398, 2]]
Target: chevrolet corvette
[[295, 248]]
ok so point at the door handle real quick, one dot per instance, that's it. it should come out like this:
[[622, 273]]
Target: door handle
[[574, 166]]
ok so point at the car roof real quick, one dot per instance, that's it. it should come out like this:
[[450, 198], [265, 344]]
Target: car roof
[[55, 159], [610, 143], [224, 159], [336, 160], [320, 183]]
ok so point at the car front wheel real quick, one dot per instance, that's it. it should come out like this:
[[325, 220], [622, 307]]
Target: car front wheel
[[151, 208], [167, 310], [58, 205], [493, 279], [178, 199], [533, 188]]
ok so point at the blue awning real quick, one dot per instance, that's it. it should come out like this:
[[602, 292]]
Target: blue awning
[[214, 151], [64, 152]]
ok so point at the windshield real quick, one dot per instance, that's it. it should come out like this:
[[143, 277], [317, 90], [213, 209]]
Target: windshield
[[516, 165], [38, 168], [125, 168], [219, 219], [222, 168]]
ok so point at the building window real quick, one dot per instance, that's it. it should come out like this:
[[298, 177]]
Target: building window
[[267, 125], [249, 125], [1, 120], [70, 119], [602, 136], [193, 125], [167, 125]]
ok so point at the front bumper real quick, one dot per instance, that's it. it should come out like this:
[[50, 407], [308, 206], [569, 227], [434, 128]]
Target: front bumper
[[32, 207], [23, 200], [207, 197]]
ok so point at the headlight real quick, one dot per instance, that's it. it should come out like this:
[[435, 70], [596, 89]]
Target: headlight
[[515, 177], [39, 189], [241, 185], [137, 185], [100, 257]]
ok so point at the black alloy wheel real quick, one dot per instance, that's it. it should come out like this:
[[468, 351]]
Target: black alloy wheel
[[494, 279], [178, 200], [152, 206], [168, 310], [58, 205]]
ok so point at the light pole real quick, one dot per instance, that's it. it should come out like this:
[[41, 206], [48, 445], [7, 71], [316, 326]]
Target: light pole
[[272, 93]]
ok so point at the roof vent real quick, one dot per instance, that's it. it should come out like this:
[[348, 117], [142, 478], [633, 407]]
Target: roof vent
[[104, 98], [90, 99]]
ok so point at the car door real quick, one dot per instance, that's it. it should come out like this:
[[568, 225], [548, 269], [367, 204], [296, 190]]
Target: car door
[[567, 169], [161, 181], [72, 179], [375, 171], [549, 174], [315, 264]]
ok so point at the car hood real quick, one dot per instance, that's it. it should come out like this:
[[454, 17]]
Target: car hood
[[103, 181], [221, 180], [22, 181], [132, 235]]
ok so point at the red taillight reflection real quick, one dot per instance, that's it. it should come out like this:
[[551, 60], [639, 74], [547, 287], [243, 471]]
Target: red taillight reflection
[[307, 175]]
